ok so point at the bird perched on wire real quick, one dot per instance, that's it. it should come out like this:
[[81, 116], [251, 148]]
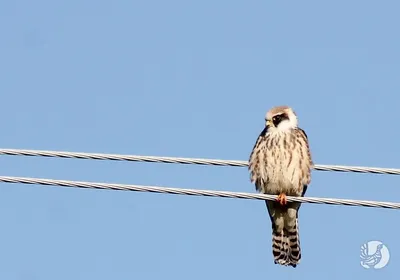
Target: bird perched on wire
[[280, 164]]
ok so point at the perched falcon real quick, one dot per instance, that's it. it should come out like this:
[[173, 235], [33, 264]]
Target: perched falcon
[[280, 164]]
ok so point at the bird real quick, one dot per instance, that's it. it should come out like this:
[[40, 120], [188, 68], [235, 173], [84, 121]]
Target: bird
[[371, 260], [280, 164]]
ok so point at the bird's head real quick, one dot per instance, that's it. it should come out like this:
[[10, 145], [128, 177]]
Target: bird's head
[[280, 118]]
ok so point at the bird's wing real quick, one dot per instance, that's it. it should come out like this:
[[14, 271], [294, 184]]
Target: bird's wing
[[257, 158], [306, 159]]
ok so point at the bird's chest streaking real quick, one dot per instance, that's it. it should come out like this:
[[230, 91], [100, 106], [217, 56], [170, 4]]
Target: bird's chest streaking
[[280, 164]]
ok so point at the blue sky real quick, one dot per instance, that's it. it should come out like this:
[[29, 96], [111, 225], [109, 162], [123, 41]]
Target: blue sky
[[192, 79]]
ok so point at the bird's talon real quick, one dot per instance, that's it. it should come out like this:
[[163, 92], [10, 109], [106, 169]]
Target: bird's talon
[[282, 199]]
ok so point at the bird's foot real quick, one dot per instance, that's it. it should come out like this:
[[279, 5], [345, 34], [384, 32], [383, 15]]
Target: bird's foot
[[282, 199]]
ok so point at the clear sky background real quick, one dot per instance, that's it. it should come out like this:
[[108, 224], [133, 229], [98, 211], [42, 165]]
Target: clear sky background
[[192, 79]]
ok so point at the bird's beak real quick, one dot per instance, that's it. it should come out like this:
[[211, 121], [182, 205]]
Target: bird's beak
[[268, 123]]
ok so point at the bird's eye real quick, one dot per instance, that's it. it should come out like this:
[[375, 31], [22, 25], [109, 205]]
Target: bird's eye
[[276, 120]]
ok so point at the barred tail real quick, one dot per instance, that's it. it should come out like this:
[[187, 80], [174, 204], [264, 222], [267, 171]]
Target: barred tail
[[286, 246]]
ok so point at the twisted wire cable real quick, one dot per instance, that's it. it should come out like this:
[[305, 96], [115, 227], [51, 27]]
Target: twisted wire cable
[[194, 192], [198, 161]]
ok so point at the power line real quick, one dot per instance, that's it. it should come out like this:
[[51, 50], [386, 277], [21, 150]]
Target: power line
[[193, 192], [198, 161]]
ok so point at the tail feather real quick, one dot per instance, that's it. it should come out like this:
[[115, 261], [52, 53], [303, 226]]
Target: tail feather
[[286, 246]]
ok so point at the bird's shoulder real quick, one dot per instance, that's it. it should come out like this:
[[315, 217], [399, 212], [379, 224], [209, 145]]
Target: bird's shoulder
[[307, 161], [301, 132]]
